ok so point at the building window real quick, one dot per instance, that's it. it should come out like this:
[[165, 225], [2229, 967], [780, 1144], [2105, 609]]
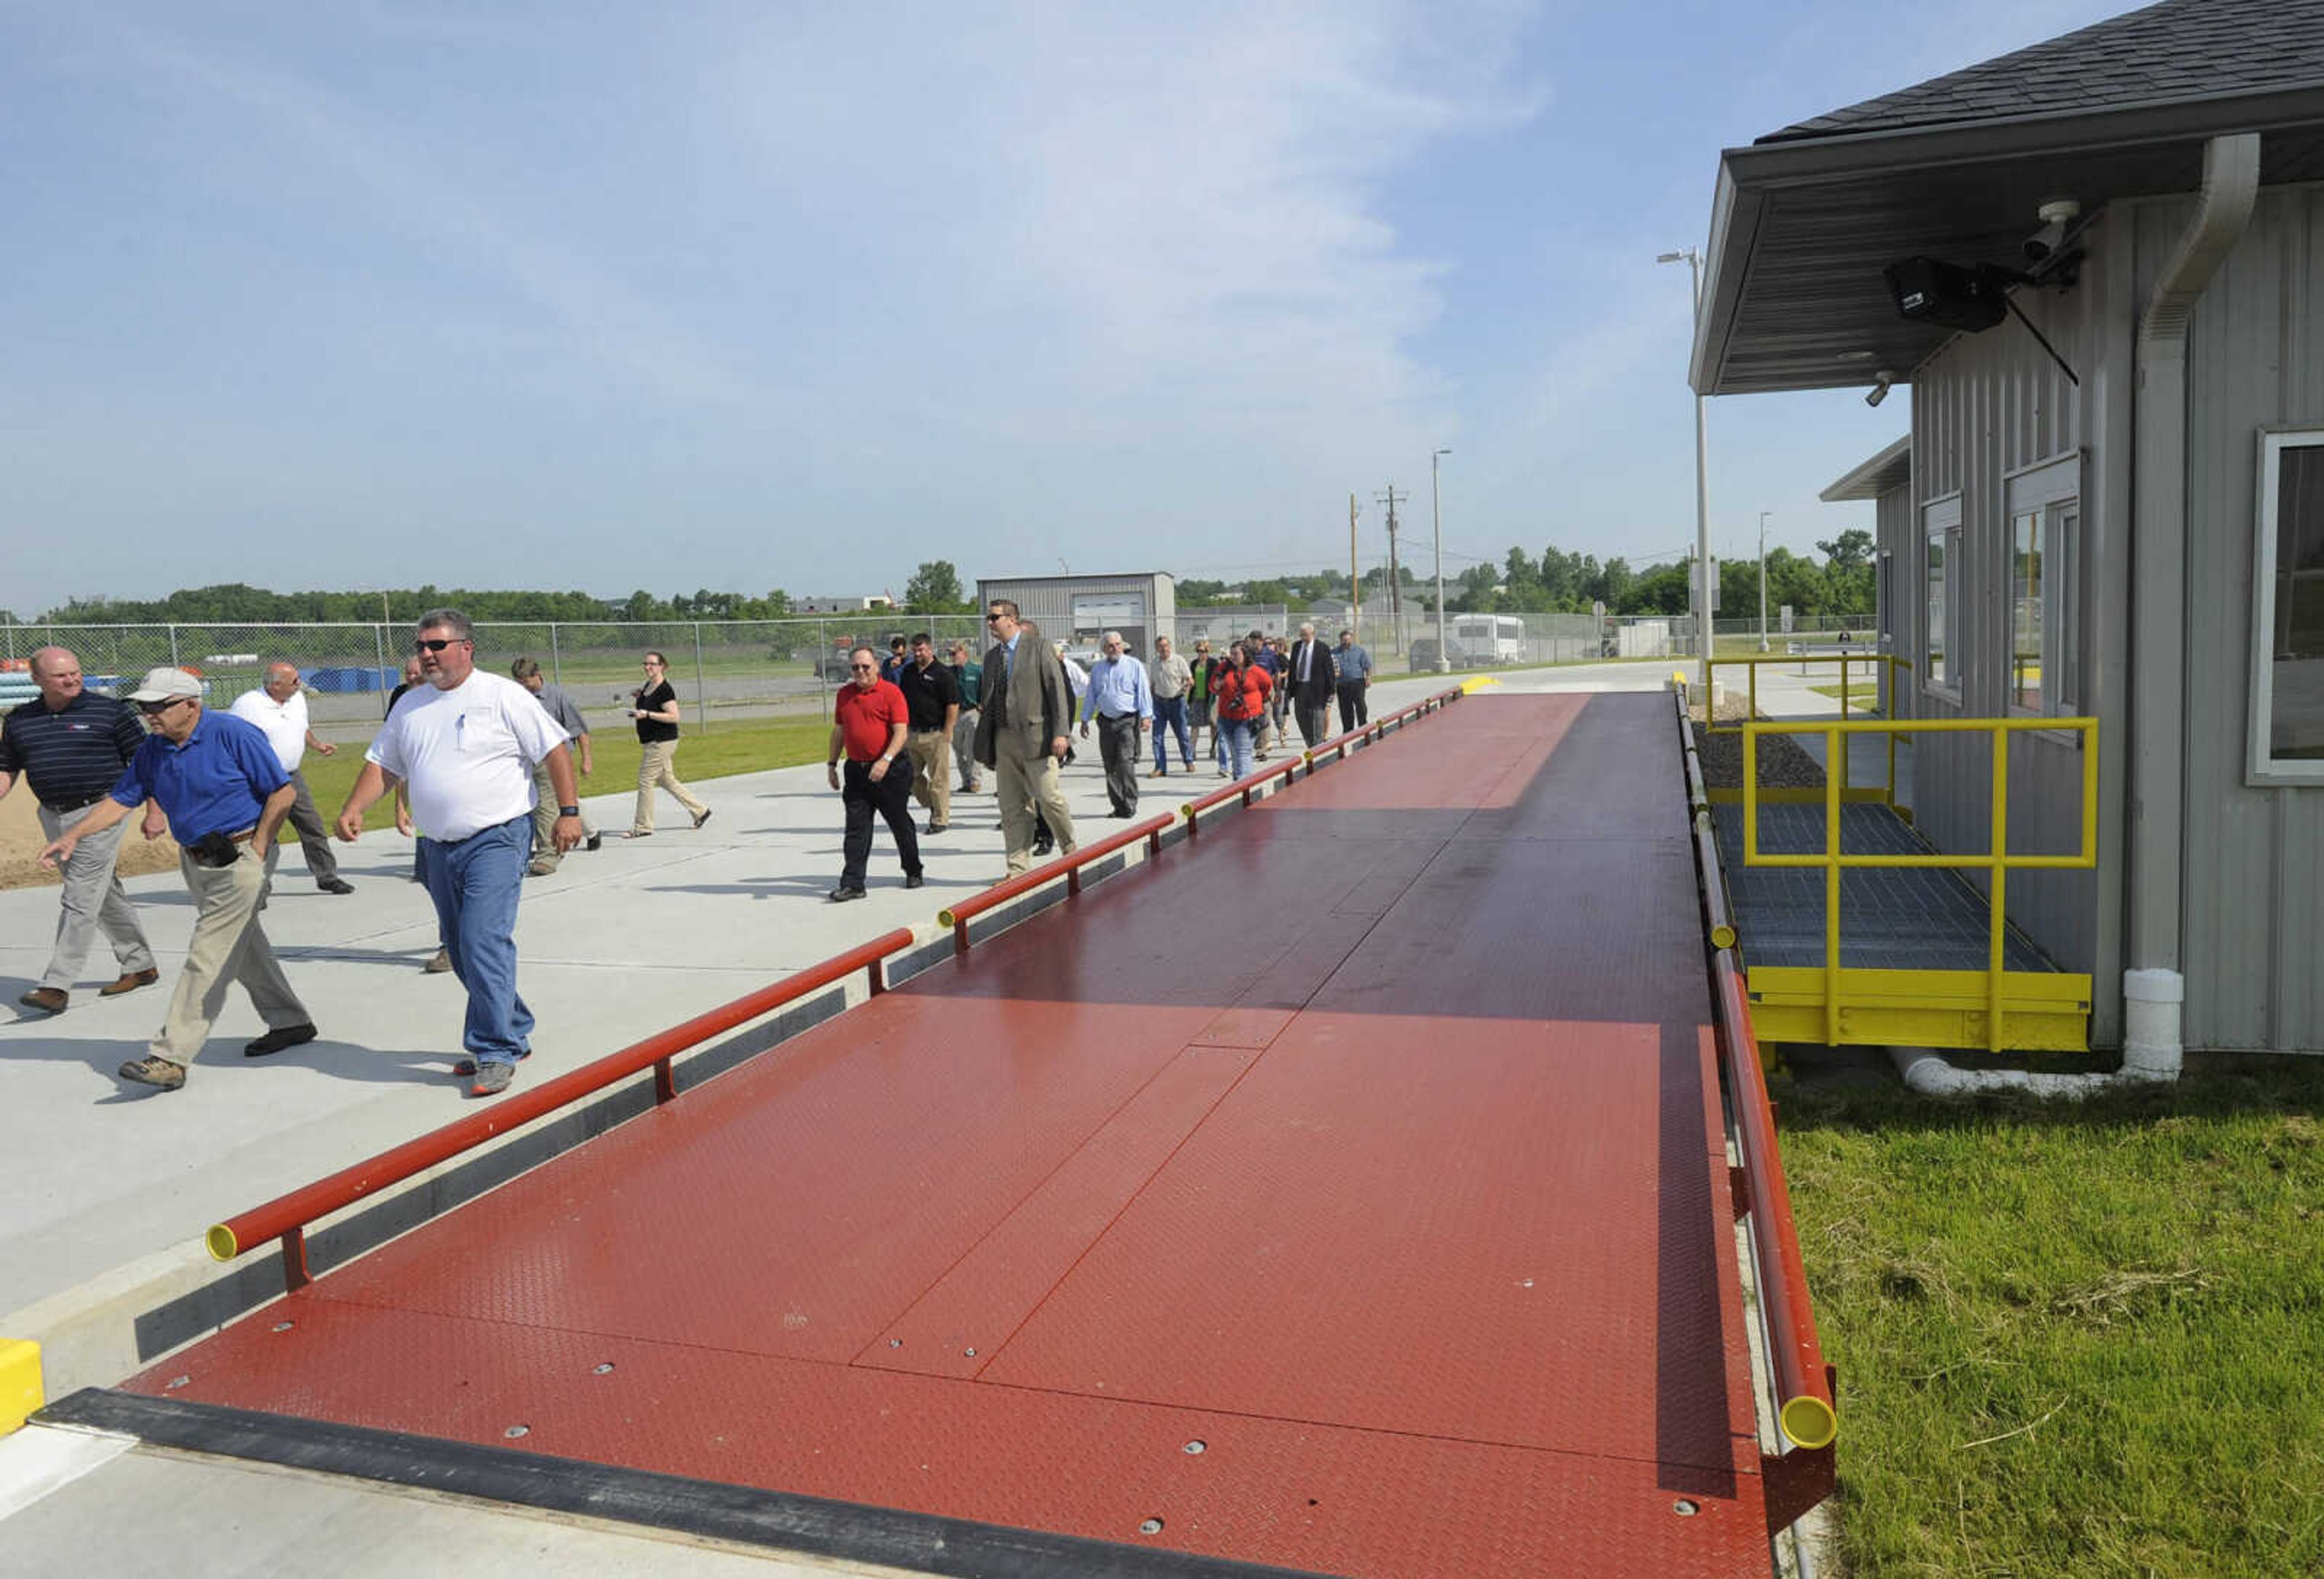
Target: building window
[[1940, 527], [2287, 717], [2046, 615]]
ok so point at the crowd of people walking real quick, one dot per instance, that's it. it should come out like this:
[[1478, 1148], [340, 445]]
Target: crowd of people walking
[[484, 773]]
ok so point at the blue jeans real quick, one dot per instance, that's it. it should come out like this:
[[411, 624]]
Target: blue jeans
[[474, 882], [1234, 747], [1170, 713]]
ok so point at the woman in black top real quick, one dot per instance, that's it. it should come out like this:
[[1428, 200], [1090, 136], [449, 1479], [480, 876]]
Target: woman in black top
[[657, 716]]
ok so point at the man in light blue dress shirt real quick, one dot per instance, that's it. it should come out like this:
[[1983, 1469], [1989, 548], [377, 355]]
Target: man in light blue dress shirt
[[1123, 704], [1355, 679]]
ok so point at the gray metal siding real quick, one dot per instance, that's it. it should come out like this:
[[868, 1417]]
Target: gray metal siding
[[2252, 935], [1986, 406], [1048, 601]]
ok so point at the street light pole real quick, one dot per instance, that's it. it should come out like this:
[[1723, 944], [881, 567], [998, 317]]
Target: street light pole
[[1762, 580], [1693, 260], [1436, 515]]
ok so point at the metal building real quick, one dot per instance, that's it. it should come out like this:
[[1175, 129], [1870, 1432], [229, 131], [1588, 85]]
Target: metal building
[[1077, 609], [2126, 523]]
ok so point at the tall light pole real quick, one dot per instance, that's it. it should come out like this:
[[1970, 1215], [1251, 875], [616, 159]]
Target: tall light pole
[[1436, 516], [1693, 260], [1762, 580]]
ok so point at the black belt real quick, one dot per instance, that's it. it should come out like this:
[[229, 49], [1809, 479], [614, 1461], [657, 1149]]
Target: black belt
[[77, 805]]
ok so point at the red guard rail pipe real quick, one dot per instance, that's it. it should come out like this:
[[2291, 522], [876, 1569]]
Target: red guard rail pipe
[[286, 1216], [1794, 1353], [1068, 867]]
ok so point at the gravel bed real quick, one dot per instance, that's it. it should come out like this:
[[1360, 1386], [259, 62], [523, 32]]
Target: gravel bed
[[1782, 765]]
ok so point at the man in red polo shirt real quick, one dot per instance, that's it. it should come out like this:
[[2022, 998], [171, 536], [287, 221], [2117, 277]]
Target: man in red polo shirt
[[869, 724]]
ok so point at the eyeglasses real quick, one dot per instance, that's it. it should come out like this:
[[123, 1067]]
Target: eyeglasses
[[435, 643], [989, 618], [154, 709]]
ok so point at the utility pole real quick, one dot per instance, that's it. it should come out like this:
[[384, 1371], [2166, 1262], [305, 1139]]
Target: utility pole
[[1436, 519], [1392, 498], [1762, 580], [1355, 579]]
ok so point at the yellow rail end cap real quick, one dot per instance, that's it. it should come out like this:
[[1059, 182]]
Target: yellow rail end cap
[[20, 1382], [221, 1242], [1809, 1422]]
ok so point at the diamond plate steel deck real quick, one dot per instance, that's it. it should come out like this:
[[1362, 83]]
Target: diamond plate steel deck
[[1343, 1191]]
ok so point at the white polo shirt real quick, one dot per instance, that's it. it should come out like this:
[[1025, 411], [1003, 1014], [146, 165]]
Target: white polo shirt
[[284, 724], [466, 755]]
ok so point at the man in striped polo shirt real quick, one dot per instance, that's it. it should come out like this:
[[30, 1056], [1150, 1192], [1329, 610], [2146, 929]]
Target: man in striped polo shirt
[[72, 744]]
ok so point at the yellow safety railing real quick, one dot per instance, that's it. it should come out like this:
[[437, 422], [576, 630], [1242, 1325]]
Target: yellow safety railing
[[1846, 662], [1996, 860]]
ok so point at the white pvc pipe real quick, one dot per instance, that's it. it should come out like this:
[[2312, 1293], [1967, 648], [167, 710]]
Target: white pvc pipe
[[1927, 1072]]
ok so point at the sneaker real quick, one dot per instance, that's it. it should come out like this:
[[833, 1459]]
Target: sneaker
[[335, 886], [1222, 772], [153, 1071], [595, 840], [275, 1041], [440, 964], [544, 867], [639, 833], [47, 1000], [702, 817], [914, 879], [130, 981], [466, 1067], [840, 896], [491, 1079]]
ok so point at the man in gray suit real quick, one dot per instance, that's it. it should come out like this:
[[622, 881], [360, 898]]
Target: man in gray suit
[[1021, 734]]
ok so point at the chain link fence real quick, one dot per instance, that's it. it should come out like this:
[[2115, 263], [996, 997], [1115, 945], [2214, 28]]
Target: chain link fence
[[734, 668]]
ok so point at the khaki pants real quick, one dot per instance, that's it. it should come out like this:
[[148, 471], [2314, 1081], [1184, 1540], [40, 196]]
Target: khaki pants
[[1021, 783], [94, 899], [544, 816], [931, 754], [228, 945], [654, 770]]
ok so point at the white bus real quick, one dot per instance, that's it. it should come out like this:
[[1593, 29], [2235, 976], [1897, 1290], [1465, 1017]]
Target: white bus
[[1481, 639]]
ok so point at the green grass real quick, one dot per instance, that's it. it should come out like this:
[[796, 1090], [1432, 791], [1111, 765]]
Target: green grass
[[1859, 695], [2072, 1340], [748, 746]]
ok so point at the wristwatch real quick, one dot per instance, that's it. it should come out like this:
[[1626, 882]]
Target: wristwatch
[[568, 811]]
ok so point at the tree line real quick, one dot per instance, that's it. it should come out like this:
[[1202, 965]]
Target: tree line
[[1557, 582]]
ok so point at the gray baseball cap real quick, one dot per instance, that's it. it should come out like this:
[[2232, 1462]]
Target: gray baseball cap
[[162, 683]]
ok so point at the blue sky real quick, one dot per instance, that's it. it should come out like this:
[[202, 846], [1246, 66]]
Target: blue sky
[[745, 296]]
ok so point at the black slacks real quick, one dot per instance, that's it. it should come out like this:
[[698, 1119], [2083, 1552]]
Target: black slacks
[[891, 797], [1354, 711]]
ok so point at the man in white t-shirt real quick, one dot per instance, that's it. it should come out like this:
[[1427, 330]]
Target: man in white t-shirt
[[464, 745], [279, 708]]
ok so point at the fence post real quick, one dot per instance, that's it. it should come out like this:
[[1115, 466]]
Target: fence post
[[701, 692], [379, 647], [556, 663], [173, 645]]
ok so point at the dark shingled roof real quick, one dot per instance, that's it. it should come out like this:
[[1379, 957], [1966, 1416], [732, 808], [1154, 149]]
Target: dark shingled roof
[[2180, 49]]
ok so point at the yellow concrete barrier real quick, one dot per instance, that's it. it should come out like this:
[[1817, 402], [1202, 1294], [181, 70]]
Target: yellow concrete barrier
[[20, 1382]]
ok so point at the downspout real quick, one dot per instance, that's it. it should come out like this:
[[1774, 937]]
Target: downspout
[[2153, 988]]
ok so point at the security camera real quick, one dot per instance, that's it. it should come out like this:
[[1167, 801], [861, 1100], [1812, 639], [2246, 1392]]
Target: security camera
[[1879, 389], [2055, 215]]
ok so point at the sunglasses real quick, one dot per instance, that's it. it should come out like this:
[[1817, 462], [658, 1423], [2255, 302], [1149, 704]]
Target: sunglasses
[[989, 618], [435, 643], [154, 709]]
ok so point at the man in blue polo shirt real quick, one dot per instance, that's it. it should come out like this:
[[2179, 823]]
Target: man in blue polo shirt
[[71, 744], [225, 794]]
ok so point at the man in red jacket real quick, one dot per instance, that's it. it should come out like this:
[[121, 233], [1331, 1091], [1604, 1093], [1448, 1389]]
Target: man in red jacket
[[870, 724]]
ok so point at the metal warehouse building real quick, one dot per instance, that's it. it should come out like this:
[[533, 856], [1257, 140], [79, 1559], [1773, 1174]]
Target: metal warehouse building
[[2126, 523], [1077, 609]]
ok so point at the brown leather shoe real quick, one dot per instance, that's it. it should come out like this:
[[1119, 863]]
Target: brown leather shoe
[[130, 981], [47, 1000]]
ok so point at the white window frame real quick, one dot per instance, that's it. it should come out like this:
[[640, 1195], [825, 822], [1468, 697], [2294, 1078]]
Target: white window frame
[[2265, 767], [1940, 521], [2051, 491]]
